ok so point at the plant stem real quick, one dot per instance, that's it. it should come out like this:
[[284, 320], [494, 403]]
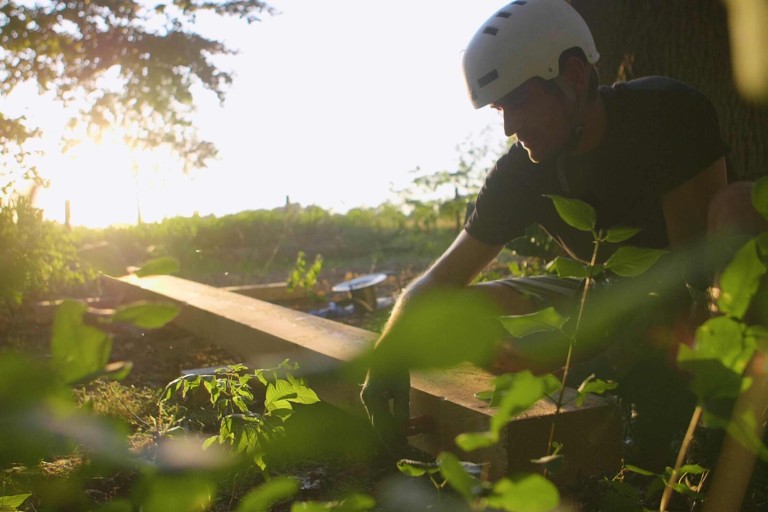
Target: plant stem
[[569, 356], [681, 455]]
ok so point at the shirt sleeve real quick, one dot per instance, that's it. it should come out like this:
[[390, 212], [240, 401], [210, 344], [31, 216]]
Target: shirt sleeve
[[501, 212]]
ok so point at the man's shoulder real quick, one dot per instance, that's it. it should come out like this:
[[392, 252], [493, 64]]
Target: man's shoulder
[[653, 89], [654, 102]]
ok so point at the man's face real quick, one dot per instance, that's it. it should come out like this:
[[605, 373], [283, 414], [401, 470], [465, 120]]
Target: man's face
[[537, 115]]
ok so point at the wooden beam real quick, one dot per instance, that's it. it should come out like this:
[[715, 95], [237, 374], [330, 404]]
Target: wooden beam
[[264, 334], [268, 292]]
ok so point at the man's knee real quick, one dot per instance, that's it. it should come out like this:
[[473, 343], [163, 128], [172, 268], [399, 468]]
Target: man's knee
[[731, 211]]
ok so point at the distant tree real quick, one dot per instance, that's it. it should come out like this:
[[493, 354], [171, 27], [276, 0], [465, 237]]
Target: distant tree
[[125, 63], [457, 187], [424, 214]]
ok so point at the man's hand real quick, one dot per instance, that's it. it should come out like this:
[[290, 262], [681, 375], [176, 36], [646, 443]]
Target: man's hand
[[388, 420]]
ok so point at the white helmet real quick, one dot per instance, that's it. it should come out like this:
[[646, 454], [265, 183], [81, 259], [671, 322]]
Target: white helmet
[[522, 40]]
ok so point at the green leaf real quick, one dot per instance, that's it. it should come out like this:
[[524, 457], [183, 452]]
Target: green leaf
[[566, 267], [552, 463], [575, 213], [267, 494], [442, 334], [416, 467], [147, 315], [593, 386], [158, 266], [620, 234], [406, 468], [305, 395], [718, 359], [77, 350], [525, 493], [309, 506], [631, 261], [470, 441], [639, 471], [740, 280], [11, 503], [240, 404], [521, 391], [282, 392], [723, 339], [544, 320], [486, 395], [760, 196], [455, 474], [515, 393], [693, 469]]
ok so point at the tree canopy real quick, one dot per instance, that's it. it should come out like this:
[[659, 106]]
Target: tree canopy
[[122, 63]]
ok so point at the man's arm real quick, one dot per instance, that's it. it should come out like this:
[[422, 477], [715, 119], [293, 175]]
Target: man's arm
[[455, 269], [686, 207]]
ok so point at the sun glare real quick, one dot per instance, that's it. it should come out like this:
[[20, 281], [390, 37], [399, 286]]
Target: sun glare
[[103, 183]]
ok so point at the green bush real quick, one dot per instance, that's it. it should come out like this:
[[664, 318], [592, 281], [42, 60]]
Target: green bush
[[38, 258]]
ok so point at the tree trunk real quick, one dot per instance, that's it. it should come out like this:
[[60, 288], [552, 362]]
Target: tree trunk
[[686, 40]]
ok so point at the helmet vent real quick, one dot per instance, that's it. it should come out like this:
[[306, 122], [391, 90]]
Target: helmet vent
[[491, 30], [488, 78], [519, 2], [503, 14]]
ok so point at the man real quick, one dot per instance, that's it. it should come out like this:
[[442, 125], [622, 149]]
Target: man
[[646, 154]]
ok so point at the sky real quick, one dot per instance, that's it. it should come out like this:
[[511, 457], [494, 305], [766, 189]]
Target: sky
[[335, 103]]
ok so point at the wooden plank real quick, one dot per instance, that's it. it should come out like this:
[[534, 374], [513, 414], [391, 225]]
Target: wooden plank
[[267, 292], [264, 334]]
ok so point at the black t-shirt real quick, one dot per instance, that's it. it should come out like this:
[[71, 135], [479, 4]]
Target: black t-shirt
[[660, 133]]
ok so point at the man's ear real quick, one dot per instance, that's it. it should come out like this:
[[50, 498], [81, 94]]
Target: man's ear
[[575, 72]]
